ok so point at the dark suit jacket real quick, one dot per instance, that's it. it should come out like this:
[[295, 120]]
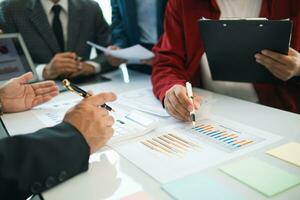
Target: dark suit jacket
[[30, 164], [125, 31], [86, 22]]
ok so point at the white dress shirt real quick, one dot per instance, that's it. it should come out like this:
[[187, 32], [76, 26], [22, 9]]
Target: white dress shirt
[[64, 18], [246, 91]]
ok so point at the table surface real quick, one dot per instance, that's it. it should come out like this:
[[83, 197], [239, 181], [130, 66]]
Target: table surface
[[111, 176]]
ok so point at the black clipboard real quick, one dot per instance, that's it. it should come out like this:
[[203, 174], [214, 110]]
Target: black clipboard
[[230, 46]]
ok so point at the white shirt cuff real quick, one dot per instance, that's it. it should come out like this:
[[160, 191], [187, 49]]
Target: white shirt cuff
[[39, 70], [97, 66]]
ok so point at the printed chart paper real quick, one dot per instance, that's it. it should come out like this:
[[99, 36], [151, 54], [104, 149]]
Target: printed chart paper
[[179, 150]]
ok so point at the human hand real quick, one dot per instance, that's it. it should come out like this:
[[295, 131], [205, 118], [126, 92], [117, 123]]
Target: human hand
[[113, 61], [282, 66], [61, 65], [17, 95], [86, 69], [93, 122], [178, 104], [147, 62]]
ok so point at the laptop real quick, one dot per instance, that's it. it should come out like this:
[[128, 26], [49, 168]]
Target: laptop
[[15, 61]]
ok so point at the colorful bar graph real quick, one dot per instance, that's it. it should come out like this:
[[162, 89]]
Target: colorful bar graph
[[223, 137], [170, 144]]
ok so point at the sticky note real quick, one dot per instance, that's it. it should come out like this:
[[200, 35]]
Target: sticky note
[[138, 196], [289, 152], [197, 187], [261, 176]]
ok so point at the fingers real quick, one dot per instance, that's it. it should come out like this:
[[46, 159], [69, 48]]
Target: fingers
[[113, 47], [115, 61], [293, 52], [70, 55], [281, 71], [47, 90], [101, 98], [197, 101], [43, 98], [182, 97], [25, 78], [43, 84], [277, 57], [177, 108], [173, 112], [109, 121]]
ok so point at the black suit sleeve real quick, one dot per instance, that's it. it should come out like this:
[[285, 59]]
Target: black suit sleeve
[[30, 164]]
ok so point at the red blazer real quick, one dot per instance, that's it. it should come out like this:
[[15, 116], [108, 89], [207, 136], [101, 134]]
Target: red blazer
[[180, 49]]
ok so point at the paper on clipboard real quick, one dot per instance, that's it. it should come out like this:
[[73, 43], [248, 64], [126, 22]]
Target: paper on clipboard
[[132, 54]]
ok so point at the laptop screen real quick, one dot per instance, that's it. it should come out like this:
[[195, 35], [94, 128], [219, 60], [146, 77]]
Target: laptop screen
[[13, 59]]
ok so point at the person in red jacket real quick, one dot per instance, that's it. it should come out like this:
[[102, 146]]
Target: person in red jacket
[[180, 55]]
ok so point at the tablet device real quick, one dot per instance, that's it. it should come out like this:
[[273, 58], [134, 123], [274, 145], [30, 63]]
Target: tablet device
[[15, 59]]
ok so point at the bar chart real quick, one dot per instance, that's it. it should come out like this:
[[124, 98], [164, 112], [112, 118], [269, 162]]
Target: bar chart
[[224, 137], [170, 145]]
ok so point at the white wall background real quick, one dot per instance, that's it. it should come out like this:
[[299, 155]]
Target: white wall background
[[106, 9]]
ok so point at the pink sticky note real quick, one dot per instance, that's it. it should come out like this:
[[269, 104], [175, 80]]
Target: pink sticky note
[[138, 196]]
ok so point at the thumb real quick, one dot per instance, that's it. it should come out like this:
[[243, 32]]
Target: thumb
[[25, 78], [101, 98], [292, 51]]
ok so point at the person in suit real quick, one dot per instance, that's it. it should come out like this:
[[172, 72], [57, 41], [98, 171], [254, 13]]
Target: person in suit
[[33, 163], [137, 22], [180, 56], [56, 32]]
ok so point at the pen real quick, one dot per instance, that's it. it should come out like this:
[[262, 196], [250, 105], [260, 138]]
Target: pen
[[191, 97], [74, 88]]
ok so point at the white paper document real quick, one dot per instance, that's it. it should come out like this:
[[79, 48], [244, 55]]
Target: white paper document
[[128, 123], [179, 150], [143, 100], [133, 54]]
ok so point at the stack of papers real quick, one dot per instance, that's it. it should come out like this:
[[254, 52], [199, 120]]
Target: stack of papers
[[133, 54]]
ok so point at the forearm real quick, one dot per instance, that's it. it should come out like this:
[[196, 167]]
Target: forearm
[[169, 67], [30, 164]]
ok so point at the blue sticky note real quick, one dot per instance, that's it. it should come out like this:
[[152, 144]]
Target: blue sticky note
[[199, 186]]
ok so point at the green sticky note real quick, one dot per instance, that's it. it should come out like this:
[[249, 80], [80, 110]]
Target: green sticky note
[[261, 176], [197, 187]]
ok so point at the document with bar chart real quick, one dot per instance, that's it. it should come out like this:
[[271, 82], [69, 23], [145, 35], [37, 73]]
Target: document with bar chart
[[224, 137], [178, 150]]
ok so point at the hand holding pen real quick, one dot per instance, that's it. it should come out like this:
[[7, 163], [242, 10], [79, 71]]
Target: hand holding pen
[[74, 88], [61, 65], [179, 105]]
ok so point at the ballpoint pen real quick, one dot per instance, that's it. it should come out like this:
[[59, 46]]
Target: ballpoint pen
[[74, 88], [191, 97]]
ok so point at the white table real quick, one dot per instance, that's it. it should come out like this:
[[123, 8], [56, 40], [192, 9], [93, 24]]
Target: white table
[[111, 177]]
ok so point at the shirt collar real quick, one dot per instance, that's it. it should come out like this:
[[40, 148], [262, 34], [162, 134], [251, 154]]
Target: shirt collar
[[48, 4]]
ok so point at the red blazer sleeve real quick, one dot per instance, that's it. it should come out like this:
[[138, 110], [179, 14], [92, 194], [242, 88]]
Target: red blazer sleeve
[[168, 68]]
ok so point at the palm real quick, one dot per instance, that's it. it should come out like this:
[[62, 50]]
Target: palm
[[17, 95], [22, 99]]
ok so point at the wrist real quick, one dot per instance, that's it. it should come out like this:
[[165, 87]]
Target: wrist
[[47, 73]]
